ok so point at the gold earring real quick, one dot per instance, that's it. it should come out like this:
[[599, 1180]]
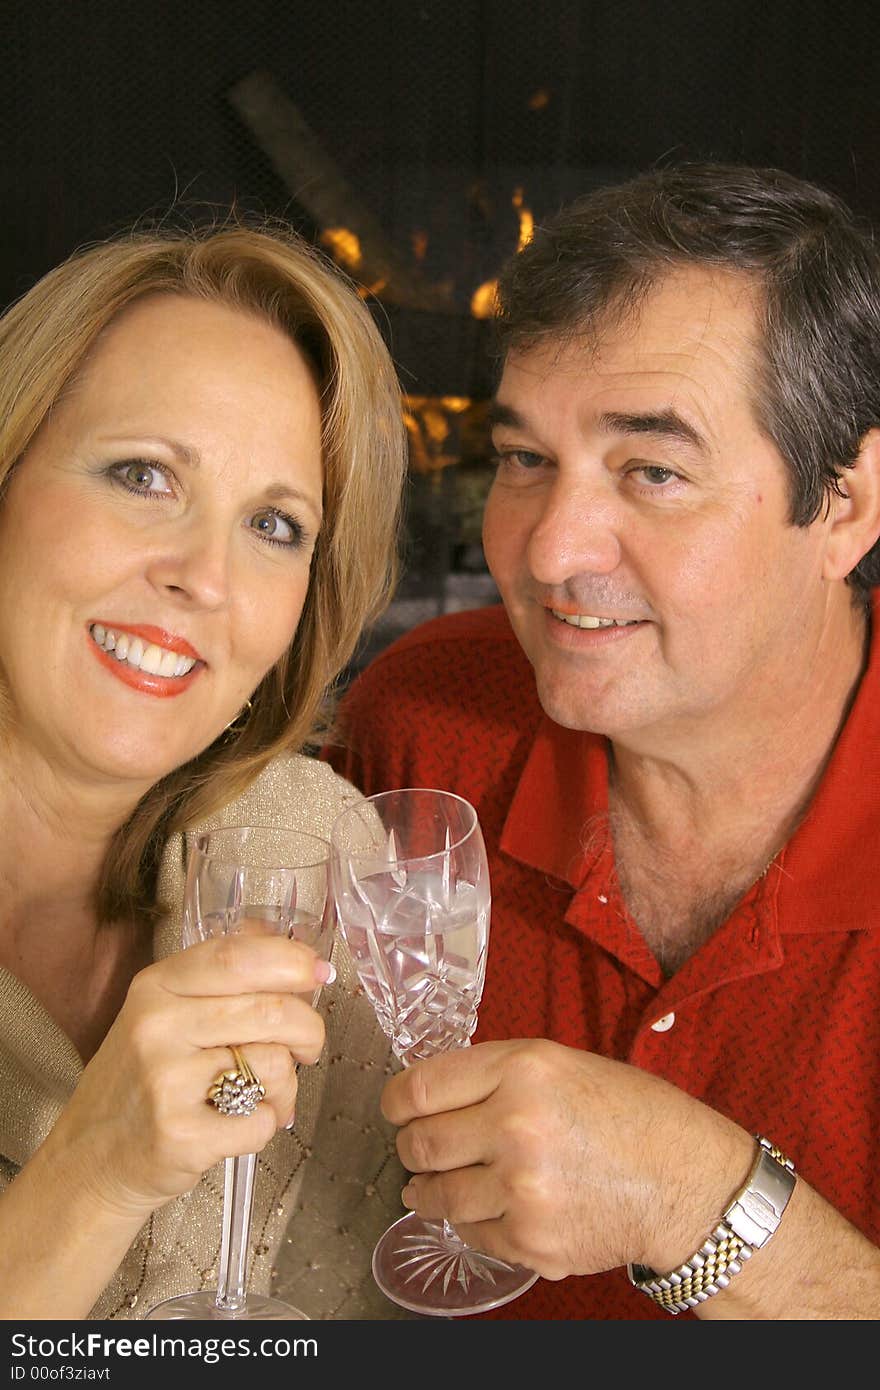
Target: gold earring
[[237, 725]]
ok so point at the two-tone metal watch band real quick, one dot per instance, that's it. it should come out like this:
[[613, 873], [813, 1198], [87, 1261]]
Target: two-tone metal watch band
[[747, 1223]]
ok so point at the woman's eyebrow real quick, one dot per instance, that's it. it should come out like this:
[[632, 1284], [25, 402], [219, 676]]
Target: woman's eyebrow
[[273, 492]]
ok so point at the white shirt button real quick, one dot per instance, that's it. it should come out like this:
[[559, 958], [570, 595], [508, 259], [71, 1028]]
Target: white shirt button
[[663, 1024]]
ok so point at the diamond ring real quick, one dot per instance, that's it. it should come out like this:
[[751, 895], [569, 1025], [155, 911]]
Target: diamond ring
[[237, 1091]]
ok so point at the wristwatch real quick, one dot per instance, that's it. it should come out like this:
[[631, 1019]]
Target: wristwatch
[[747, 1223]]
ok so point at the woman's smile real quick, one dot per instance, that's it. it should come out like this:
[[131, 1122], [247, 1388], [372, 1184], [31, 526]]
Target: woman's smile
[[146, 658]]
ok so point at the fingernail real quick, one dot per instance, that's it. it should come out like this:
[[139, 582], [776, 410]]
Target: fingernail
[[325, 972], [408, 1196], [290, 1123]]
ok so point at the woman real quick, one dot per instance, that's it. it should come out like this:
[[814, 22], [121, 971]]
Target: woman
[[201, 464]]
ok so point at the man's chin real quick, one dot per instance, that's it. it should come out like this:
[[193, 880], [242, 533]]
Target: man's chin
[[574, 709]]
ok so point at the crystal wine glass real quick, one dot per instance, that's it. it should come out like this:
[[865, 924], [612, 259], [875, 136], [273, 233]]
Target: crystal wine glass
[[410, 879], [249, 878]]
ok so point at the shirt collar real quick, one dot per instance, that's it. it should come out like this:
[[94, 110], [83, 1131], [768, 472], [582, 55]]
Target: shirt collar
[[831, 862], [558, 819]]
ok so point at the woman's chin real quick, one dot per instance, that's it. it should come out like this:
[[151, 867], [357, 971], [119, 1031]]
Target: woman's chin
[[140, 765]]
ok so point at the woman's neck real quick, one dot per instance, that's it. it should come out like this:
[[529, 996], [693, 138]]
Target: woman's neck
[[55, 841], [56, 833]]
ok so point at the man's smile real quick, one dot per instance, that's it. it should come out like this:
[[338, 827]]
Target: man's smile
[[591, 620]]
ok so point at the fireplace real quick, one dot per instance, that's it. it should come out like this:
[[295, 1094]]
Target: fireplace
[[430, 284]]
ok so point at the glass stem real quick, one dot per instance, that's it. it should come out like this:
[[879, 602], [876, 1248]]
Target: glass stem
[[450, 1234], [238, 1203]]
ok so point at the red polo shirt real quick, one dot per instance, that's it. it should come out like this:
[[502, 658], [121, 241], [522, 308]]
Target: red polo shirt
[[774, 1021]]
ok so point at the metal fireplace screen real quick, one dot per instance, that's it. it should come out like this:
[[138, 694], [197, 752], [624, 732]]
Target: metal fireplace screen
[[415, 140]]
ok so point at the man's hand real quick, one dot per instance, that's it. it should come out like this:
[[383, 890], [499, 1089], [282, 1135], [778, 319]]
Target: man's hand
[[561, 1160]]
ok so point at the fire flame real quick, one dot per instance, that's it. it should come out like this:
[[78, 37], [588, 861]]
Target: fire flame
[[526, 220], [370, 291], [343, 245], [429, 422], [483, 298]]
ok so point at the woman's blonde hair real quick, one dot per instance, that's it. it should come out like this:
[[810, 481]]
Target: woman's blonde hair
[[266, 269]]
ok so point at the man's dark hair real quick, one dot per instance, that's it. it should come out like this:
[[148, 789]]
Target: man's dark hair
[[818, 388]]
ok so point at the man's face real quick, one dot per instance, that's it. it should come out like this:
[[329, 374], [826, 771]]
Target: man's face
[[634, 488]]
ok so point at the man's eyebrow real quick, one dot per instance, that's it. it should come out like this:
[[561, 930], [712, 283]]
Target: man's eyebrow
[[667, 424], [501, 414]]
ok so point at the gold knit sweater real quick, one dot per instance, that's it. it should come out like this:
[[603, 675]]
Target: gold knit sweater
[[324, 1193]]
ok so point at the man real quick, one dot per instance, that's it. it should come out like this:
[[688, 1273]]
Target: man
[[671, 732]]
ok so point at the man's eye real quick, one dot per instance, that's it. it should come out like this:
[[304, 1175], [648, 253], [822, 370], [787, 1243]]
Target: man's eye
[[139, 476], [276, 528], [518, 458], [655, 475]]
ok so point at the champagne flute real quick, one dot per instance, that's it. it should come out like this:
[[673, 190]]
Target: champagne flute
[[253, 878], [410, 879]]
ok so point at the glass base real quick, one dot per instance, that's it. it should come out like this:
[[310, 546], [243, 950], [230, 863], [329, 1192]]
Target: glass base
[[422, 1266], [202, 1307]]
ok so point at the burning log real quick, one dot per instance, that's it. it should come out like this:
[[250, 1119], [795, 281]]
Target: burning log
[[318, 185]]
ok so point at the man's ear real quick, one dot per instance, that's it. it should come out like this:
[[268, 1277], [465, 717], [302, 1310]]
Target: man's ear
[[855, 517]]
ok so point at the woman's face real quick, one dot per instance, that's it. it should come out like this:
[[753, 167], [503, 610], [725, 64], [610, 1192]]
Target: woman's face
[[168, 509]]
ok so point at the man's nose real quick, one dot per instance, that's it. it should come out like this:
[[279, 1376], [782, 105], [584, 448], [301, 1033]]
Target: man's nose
[[195, 563], [577, 532]]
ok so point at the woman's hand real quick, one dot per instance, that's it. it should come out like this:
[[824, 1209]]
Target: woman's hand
[[139, 1129]]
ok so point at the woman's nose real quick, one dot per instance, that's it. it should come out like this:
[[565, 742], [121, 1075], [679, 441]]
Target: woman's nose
[[577, 532], [195, 563]]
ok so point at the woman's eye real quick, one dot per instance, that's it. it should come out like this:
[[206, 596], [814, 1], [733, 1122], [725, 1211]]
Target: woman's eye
[[141, 477], [276, 528]]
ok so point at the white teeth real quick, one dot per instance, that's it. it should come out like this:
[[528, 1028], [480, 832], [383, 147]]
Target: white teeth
[[144, 656], [588, 620], [151, 659]]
